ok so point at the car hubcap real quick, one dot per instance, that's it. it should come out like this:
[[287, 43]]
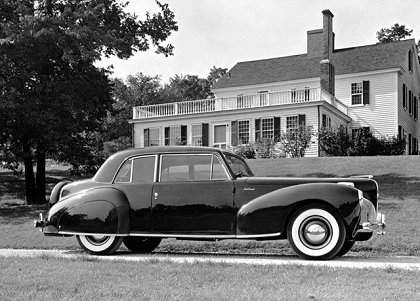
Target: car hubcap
[[315, 233], [97, 239]]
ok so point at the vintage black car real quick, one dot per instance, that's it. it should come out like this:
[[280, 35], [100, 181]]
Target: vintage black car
[[140, 196]]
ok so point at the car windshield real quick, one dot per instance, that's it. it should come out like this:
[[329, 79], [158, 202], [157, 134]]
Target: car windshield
[[238, 166]]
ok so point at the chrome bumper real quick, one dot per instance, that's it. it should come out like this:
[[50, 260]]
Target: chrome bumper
[[40, 223], [377, 226], [371, 220]]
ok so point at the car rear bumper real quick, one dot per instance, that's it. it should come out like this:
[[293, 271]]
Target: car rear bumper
[[371, 221]]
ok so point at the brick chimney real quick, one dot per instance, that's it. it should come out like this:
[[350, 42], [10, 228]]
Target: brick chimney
[[327, 71]]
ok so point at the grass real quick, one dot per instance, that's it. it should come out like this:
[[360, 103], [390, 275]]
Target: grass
[[48, 278], [41, 279]]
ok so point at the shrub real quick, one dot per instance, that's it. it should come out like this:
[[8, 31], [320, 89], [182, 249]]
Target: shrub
[[295, 143], [339, 143]]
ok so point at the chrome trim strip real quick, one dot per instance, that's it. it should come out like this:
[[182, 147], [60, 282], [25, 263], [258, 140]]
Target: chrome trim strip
[[259, 235], [178, 235]]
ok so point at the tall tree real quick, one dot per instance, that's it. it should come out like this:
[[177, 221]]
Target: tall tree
[[52, 97]]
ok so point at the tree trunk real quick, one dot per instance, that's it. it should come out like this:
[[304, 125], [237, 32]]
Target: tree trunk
[[40, 177], [29, 175]]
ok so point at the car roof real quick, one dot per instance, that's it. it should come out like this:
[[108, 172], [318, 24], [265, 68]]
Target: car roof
[[107, 171]]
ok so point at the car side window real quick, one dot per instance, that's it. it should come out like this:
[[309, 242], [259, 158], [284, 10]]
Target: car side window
[[219, 172], [176, 168], [144, 169], [124, 174]]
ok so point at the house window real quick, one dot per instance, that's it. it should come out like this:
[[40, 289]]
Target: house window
[[326, 121], [357, 93], [267, 128], [151, 137], [176, 135], [197, 134], [292, 124], [243, 131], [362, 131]]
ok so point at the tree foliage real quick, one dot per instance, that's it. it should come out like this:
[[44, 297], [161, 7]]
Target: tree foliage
[[395, 33], [52, 98], [337, 142]]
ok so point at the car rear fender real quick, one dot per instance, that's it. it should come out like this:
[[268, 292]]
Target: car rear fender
[[100, 210], [269, 213], [55, 193]]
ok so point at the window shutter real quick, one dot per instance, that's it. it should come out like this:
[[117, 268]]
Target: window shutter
[[167, 136], [404, 96], [234, 133], [205, 134], [409, 144], [183, 135], [410, 102], [415, 108], [302, 120], [146, 138], [366, 92], [257, 130], [400, 132], [277, 128]]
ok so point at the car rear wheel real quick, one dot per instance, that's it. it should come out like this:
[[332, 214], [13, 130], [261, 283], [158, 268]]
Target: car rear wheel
[[99, 244], [142, 244], [316, 232]]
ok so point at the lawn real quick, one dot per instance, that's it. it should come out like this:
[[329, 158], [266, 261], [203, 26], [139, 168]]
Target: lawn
[[54, 279], [48, 278]]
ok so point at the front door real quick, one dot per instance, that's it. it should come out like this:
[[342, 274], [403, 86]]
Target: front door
[[194, 196]]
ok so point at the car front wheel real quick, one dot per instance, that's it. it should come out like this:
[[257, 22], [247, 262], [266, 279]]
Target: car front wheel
[[99, 244], [142, 244], [316, 232]]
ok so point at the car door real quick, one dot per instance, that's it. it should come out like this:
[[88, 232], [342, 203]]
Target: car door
[[194, 196], [136, 178]]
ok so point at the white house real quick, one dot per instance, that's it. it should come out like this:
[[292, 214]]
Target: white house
[[375, 86]]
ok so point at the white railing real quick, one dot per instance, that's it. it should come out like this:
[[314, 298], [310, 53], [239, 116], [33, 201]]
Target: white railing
[[237, 102]]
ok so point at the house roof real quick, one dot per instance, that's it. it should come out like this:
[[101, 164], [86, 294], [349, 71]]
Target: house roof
[[347, 60]]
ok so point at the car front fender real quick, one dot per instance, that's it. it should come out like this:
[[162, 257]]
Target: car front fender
[[269, 213], [100, 210]]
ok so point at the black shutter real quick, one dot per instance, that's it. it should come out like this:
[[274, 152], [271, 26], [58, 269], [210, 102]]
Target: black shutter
[[146, 138], [257, 130], [277, 128], [404, 96], [400, 132], [167, 136], [302, 120], [365, 92], [183, 135], [409, 145], [205, 134], [234, 133]]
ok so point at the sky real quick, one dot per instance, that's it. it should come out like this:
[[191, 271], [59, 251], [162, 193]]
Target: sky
[[223, 32]]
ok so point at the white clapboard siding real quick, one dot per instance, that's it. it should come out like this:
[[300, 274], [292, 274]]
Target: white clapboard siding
[[381, 113]]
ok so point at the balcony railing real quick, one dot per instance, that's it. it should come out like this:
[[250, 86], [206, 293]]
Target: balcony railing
[[237, 102]]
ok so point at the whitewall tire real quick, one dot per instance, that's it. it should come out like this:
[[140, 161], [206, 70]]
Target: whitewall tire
[[99, 244], [316, 232]]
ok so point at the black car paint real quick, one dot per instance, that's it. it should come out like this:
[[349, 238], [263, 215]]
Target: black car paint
[[247, 207]]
